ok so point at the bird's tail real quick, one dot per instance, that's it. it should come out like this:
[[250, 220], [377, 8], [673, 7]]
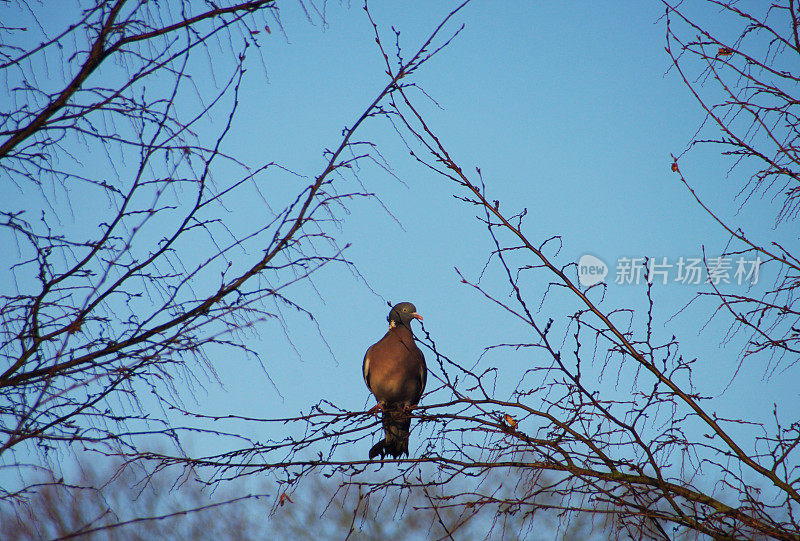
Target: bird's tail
[[396, 425]]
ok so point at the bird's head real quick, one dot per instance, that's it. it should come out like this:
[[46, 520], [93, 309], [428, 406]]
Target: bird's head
[[402, 314]]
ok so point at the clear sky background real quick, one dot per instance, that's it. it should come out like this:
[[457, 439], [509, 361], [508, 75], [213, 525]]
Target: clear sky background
[[569, 109]]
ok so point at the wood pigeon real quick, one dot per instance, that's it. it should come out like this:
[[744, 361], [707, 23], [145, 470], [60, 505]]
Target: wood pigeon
[[395, 372]]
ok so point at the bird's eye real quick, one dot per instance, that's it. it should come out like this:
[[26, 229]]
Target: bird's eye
[[405, 309]]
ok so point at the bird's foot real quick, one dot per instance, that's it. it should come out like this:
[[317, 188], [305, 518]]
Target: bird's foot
[[376, 408]]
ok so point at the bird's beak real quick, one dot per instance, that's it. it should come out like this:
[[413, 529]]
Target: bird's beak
[[416, 316]]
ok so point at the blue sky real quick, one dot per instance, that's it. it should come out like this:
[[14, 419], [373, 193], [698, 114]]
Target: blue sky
[[570, 110], [572, 113]]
